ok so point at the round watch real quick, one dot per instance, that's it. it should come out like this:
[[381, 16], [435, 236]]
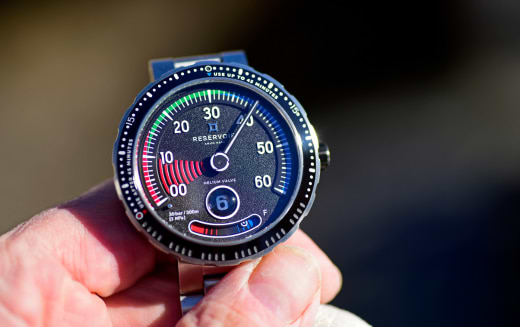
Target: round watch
[[215, 163]]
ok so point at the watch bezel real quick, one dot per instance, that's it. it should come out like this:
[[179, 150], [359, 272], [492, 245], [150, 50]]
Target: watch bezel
[[160, 235]]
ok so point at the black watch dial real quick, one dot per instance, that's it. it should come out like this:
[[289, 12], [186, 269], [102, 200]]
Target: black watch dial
[[217, 162]]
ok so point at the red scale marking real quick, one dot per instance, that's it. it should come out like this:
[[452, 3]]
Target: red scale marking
[[198, 168], [146, 173], [161, 172], [184, 171], [197, 229], [173, 175], [193, 172], [187, 169], [186, 180], [177, 172], [167, 173]]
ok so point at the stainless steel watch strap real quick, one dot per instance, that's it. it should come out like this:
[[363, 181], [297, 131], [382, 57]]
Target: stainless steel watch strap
[[195, 281]]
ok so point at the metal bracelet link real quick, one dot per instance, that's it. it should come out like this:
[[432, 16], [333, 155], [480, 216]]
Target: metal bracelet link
[[195, 281]]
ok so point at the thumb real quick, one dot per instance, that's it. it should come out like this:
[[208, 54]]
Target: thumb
[[281, 289]]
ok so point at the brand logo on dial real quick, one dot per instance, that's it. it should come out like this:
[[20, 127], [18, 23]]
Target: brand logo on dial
[[213, 127], [212, 137]]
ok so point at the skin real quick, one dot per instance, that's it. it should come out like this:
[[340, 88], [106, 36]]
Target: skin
[[83, 264]]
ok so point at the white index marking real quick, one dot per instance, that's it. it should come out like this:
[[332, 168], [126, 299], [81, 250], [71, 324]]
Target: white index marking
[[162, 201], [209, 95], [280, 191], [147, 156], [122, 153], [166, 114], [149, 94]]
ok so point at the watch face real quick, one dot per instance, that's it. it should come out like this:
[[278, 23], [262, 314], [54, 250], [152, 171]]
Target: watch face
[[216, 163]]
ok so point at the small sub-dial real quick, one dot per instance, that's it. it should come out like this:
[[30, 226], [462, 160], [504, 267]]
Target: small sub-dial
[[222, 202]]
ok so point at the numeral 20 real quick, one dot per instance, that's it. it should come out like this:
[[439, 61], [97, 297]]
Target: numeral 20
[[181, 127]]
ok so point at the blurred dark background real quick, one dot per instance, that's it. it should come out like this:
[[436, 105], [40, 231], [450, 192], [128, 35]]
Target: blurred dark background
[[418, 100]]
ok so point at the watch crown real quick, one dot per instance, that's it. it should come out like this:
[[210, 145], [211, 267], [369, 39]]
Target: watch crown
[[324, 155]]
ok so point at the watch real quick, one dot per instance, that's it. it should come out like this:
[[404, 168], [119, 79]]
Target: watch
[[215, 164]]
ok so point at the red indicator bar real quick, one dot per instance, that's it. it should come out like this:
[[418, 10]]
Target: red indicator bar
[[197, 229], [192, 167], [177, 172], [167, 173], [200, 229], [198, 168], [187, 164], [172, 174], [184, 178]]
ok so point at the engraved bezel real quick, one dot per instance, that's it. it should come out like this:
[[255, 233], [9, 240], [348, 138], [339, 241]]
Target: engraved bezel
[[147, 222]]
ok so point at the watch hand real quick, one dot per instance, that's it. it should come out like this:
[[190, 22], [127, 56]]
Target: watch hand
[[228, 147]]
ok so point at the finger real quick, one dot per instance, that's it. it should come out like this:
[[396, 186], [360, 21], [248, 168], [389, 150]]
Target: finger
[[93, 239], [281, 289], [332, 280], [330, 316], [152, 301]]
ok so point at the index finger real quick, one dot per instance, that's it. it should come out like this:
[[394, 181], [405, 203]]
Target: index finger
[[92, 238]]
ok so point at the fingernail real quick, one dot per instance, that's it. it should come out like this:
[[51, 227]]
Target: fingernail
[[285, 281]]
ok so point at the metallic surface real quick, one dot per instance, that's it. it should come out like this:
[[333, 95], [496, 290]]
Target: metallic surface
[[195, 281], [324, 154]]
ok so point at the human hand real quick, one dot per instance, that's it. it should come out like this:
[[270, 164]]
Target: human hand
[[84, 264]]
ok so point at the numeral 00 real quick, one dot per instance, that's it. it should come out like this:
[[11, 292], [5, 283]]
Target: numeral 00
[[178, 190], [263, 181]]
